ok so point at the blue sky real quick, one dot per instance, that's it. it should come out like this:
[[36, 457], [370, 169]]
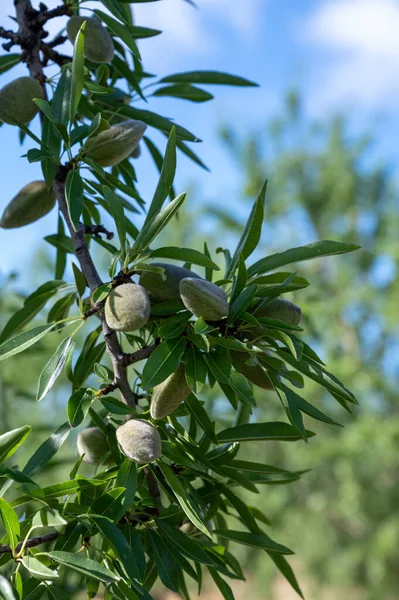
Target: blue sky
[[341, 54]]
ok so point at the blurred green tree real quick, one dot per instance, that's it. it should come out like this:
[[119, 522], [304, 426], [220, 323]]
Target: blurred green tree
[[324, 182]]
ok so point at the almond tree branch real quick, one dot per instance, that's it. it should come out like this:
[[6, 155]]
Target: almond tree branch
[[31, 34], [31, 543]]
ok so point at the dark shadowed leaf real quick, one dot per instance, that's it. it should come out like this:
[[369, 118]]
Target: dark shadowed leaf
[[208, 77], [261, 431]]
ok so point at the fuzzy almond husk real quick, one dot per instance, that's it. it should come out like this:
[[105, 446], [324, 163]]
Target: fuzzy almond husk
[[281, 309], [98, 44], [204, 299], [127, 307], [31, 203], [93, 444], [16, 100], [255, 374], [161, 290], [139, 440], [168, 395], [113, 145]]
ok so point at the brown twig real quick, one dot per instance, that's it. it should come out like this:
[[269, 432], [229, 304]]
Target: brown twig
[[7, 34], [97, 229], [143, 353], [51, 54], [31, 543], [47, 14]]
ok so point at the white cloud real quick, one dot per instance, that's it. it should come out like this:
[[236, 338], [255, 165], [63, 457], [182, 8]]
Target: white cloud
[[198, 30], [362, 37]]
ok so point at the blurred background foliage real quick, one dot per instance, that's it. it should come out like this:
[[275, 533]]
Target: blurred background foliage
[[341, 517]]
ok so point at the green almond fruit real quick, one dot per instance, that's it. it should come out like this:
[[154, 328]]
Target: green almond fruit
[[112, 145], [204, 299], [255, 374], [163, 290], [98, 44], [93, 444], [167, 396], [30, 204], [280, 309], [16, 100], [127, 307], [136, 152], [139, 440]]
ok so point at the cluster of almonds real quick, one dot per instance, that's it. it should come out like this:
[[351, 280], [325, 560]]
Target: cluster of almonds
[[128, 308], [107, 147]]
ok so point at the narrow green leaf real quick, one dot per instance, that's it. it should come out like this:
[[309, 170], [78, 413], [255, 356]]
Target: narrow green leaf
[[6, 590], [183, 499], [121, 548], [251, 234], [185, 254], [10, 522], [166, 177], [38, 569], [116, 209], [241, 303], [122, 31], [26, 314], [23, 340], [163, 362], [78, 406], [316, 250], [80, 280], [195, 370], [47, 450], [12, 440], [208, 78], [7, 61], [201, 416], [48, 517], [261, 431], [53, 368], [255, 540], [74, 197], [166, 565], [86, 566], [77, 79], [223, 586], [184, 91], [187, 546]]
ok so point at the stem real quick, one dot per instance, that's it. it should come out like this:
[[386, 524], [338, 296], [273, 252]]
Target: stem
[[31, 543]]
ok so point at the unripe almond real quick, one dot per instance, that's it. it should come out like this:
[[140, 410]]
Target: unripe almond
[[93, 444], [127, 307], [111, 146], [162, 290], [281, 309], [31, 203], [16, 100], [136, 152], [204, 299], [98, 44], [167, 396], [255, 374], [139, 440]]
